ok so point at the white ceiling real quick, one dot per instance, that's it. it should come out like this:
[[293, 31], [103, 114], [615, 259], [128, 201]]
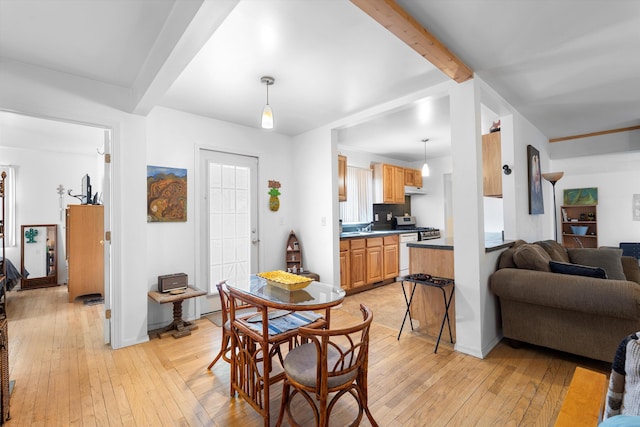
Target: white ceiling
[[569, 66]]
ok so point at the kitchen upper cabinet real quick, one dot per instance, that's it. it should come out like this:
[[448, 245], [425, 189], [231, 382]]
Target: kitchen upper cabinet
[[388, 184], [342, 178], [345, 265], [413, 177], [375, 260], [491, 165]]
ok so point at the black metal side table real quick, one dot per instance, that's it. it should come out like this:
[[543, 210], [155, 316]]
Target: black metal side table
[[436, 282]]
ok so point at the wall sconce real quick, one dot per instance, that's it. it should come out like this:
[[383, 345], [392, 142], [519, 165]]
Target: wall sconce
[[506, 169]]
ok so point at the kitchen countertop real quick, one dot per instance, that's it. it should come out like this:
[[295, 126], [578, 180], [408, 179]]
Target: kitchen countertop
[[374, 233], [446, 243]]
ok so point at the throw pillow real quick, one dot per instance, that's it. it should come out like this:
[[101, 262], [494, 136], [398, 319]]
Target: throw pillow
[[608, 259], [555, 250], [577, 270], [531, 257]]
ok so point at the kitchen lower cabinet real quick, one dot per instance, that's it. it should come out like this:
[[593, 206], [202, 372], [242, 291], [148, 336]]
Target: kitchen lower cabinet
[[375, 260], [357, 258], [345, 265], [391, 251]]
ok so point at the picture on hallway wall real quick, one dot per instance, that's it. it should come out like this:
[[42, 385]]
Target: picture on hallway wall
[[166, 194], [536, 204]]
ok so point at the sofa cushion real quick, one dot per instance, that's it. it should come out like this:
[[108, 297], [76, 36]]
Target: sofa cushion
[[506, 258], [555, 250], [631, 268], [531, 257], [608, 259], [577, 270]]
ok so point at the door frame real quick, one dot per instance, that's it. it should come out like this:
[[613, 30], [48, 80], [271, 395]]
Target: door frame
[[202, 229]]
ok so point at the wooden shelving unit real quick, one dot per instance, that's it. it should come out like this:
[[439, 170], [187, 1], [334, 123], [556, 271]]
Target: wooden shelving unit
[[579, 215], [294, 253]]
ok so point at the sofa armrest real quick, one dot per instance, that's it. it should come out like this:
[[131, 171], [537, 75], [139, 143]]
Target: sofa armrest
[[614, 298]]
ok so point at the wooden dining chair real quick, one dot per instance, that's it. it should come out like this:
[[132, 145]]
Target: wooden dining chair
[[225, 303], [332, 362], [256, 345]]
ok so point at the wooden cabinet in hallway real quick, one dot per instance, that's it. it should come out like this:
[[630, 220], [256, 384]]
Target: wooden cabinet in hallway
[[85, 250]]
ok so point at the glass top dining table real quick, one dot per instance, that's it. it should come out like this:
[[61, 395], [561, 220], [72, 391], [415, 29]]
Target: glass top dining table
[[315, 296]]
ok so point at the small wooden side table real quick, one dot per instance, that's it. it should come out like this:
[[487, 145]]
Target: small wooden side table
[[180, 328]]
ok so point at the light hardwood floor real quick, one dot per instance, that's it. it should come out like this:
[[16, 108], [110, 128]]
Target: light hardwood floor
[[64, 374]]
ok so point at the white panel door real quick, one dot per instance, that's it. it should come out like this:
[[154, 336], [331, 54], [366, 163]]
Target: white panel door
[[229, 220]]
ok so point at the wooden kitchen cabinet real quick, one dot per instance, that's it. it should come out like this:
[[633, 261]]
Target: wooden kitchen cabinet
[[357, 259], [413, 177], [491, 165], [85, 250], [391, 261], [388, 184], [345, 265], [375, 260], [342, 178]]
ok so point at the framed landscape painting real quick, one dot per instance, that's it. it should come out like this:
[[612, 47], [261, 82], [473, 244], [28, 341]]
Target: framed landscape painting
[[166, 194], [536, 204]]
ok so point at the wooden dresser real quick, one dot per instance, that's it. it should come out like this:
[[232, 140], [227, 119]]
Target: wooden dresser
[[85, 250]]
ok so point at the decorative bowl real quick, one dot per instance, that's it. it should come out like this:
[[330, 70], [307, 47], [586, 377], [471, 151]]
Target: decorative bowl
[[579, 230], [284, 280]]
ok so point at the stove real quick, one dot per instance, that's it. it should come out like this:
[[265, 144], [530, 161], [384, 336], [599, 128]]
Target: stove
[[408, 223]]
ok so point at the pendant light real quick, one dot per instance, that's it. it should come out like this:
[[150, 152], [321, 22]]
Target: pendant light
[[425, 166], [267, 114]]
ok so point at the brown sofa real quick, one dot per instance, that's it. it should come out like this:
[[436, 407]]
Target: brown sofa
[[587, 316]]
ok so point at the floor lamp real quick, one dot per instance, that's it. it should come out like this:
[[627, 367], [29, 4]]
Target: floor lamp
[[554, 177]]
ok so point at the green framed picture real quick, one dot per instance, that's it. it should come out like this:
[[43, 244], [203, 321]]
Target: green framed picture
[[581, 196]]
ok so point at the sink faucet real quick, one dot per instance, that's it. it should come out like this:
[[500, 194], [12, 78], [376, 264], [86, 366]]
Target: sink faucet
[[368, 227]]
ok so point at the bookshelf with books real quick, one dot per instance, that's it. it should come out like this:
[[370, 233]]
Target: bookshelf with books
[[579, 226]]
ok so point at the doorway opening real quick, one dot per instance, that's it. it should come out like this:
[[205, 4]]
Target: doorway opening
[[51, 157]]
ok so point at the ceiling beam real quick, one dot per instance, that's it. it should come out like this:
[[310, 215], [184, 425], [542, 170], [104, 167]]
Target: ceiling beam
[[395, 19], [587, 135]]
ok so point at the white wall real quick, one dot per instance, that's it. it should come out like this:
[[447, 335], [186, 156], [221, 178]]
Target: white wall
[[174, 139], [429, 208], [617, 178]]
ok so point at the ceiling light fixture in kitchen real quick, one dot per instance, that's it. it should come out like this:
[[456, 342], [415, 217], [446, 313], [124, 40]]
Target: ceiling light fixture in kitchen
[[425, 167], [267, 114]]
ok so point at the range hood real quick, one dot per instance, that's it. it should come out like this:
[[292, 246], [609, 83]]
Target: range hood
[[410, 190]]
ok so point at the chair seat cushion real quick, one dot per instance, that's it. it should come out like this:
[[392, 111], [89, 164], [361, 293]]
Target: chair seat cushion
[[301, 366]]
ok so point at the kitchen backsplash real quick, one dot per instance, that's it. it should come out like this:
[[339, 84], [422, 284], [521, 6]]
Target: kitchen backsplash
[[383, 211]]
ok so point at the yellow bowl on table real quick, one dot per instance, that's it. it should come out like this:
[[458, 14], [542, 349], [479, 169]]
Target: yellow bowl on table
[[284, 280]]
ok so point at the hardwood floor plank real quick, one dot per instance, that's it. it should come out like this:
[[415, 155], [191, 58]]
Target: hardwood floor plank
[[65, 375]]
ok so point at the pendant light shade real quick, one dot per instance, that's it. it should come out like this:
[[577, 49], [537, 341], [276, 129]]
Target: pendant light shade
[[425, 166], [267, 113], [425, 169]]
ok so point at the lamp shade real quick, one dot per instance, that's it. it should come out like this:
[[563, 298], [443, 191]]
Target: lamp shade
[[267, 117], [425, 169], [553, 177]]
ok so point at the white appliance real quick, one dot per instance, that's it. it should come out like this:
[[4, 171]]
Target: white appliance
[[404, 252]]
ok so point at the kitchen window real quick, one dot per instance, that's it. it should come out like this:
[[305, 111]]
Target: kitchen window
[[359, 204]]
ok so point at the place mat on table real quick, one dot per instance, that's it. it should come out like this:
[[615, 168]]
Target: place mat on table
[[287, 322]]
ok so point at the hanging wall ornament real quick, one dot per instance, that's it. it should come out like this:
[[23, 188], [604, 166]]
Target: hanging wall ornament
[[274, 202]]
